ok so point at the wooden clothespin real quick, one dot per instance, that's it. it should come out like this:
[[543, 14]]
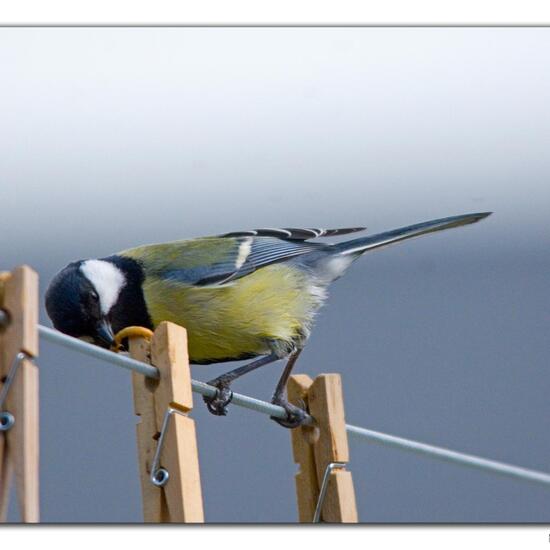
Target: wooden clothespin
[[171, 488], [19, 437], [315, 449]]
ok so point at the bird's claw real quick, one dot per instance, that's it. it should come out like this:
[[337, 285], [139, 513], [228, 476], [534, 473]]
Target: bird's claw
[[218, 404], [295, 415]]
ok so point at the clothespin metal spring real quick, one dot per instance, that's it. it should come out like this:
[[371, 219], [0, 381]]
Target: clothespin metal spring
[[159, 475], [323, 490], [7, 420]]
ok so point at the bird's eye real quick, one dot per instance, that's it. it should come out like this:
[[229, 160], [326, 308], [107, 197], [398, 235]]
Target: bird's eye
[[94, 296]]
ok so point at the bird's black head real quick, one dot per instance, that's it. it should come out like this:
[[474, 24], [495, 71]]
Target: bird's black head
[[80, 298]]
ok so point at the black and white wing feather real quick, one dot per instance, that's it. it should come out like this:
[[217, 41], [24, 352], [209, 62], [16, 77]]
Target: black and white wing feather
[[295, 234]]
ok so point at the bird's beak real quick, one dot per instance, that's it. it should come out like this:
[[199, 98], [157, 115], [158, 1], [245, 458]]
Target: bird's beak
[[104, 333]]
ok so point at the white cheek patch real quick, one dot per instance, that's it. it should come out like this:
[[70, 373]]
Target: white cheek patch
[[107, 279]]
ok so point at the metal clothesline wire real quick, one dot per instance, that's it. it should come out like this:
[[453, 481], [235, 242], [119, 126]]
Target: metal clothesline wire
[[152, 372], [257, 405]]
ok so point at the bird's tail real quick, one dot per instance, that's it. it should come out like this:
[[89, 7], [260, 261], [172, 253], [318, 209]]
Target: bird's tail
[[363, 244]]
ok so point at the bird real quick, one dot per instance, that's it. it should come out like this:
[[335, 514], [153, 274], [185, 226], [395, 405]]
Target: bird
[[240, 295]]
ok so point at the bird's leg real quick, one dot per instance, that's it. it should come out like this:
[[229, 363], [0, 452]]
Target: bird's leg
[[295, 415], [218, 404]]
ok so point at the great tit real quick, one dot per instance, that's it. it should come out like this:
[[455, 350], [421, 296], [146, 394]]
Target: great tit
[[240, 295]]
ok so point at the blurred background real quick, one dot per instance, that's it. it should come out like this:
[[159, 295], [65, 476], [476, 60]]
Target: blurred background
[[115, 137]]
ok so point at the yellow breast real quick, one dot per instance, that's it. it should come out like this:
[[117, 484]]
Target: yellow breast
[[276, 303]]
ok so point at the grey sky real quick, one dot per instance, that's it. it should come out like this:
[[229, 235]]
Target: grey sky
[[116, 137]]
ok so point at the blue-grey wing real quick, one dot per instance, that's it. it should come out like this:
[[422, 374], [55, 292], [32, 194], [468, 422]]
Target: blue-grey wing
[[254, 253], [225, 258]]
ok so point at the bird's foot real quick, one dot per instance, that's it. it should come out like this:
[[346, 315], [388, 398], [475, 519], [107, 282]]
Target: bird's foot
[[218, 404], [295, 415]]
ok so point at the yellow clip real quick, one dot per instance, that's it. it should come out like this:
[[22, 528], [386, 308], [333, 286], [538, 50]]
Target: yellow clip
[[128, 332]]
